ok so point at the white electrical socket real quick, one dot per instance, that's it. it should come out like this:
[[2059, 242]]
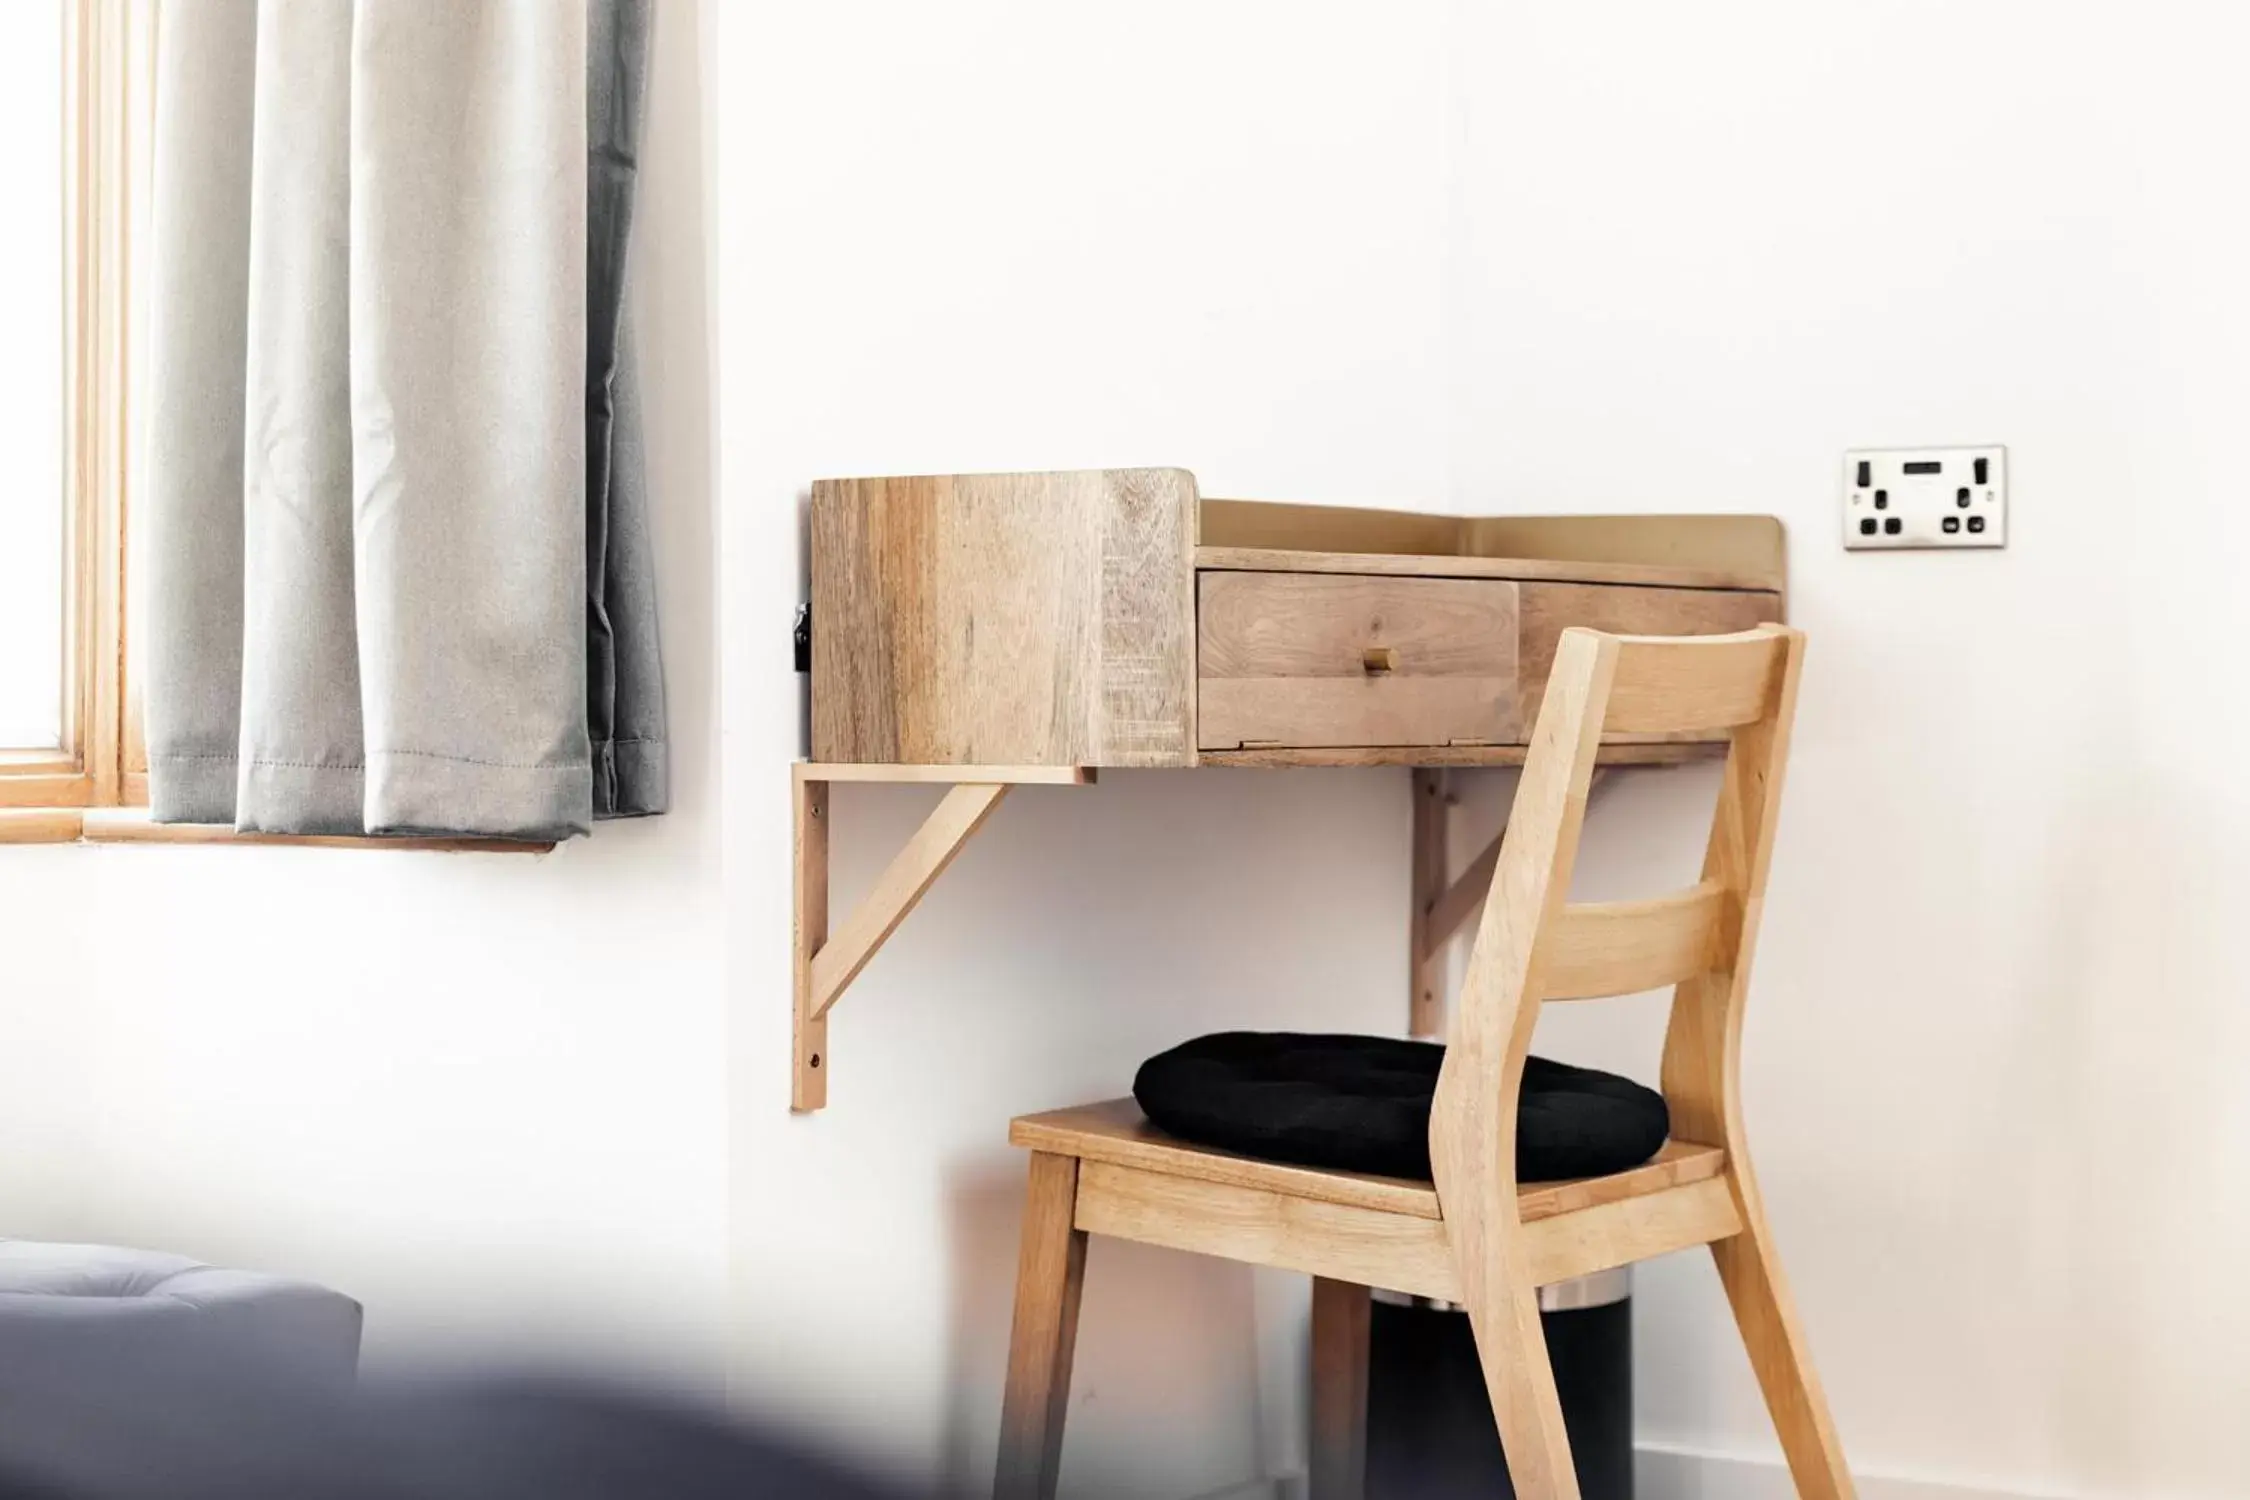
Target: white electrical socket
[[1925, 497]]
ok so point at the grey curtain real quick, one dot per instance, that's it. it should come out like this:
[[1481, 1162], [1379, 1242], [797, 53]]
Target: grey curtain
[[395, 539]]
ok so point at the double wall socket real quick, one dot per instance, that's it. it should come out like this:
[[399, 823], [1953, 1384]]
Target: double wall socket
[[1925, 497]]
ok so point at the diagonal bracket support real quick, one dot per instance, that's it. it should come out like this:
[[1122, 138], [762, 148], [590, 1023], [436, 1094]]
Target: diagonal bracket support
[[1441, 907], [825, 961]]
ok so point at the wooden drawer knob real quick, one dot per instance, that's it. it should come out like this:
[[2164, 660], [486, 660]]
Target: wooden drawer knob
[[1377, 659]]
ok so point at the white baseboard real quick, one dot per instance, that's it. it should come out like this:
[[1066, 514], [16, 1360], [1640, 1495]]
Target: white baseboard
[[1675, 1474]]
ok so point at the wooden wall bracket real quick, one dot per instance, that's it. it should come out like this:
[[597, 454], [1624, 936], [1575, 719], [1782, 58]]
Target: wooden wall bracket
[[827, 962], [1442, 907], [1425, 944]]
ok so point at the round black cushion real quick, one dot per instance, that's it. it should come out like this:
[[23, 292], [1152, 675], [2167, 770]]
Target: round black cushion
[[1362, 1103]]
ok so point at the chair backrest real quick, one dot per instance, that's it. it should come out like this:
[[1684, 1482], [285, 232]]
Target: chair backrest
[[1534, 944]]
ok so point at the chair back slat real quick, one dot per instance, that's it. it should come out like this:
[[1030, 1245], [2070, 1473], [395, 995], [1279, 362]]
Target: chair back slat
[[1601, 948], [1693, 684], [1533, 944]]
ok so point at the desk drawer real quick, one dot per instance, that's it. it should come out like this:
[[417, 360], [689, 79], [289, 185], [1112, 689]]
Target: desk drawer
[[1329, 659]]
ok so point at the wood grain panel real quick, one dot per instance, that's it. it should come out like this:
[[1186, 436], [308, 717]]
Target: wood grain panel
[[1599, 948], [59, 789], [1618, 1234], [1005, 619], [948, 775], [808, 1029], [1336, 1447], [1426, 888], [1285, 757], [1449, 565], [1690, 551], [1548, 609], [1050, 1280], [1285, 659], [1676, 1165], [1724, 551], [1339, 712], [1278, 525], [1344, 1243], [1372, 1248], [40, 825], [1323, 624], [1115, 1131], [1677, 687]]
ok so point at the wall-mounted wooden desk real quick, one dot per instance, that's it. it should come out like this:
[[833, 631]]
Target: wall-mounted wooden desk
[[984, 631]]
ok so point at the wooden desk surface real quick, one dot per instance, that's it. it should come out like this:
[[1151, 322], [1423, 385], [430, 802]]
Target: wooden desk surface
[[1117, 618]]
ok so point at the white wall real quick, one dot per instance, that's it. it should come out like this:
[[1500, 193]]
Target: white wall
[[1021, 236], [486, 1094], [1599, 256], [1997, 1040]]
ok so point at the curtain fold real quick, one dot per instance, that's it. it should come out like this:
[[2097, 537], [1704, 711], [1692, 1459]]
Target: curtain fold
[[624, 675], [189, 556], [395, 549], [299, 765]]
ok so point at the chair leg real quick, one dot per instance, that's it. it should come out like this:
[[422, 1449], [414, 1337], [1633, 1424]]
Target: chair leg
[[1512, 1347], [1767, 1318], [1340, 1320], [1050, 1271]]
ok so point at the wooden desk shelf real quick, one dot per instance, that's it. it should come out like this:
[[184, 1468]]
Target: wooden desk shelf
[[983, 631]]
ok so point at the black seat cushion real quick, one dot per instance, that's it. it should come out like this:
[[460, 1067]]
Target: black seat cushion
[[1362, 1103]]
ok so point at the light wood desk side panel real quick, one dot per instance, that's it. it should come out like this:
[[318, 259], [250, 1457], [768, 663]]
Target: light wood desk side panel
[[1019, 619]]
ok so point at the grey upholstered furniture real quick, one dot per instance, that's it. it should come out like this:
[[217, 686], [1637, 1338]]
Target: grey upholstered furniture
[[90, 1307], [130, 1376]]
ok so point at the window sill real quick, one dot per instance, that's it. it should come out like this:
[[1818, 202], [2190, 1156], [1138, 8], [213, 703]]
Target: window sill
[[131, 825]]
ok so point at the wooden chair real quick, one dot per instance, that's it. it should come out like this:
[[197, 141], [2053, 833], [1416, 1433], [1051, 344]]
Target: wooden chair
[[1475, 1236]]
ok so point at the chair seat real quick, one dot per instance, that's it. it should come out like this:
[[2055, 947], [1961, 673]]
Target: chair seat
[[1117, 1132], [1362, 1104]]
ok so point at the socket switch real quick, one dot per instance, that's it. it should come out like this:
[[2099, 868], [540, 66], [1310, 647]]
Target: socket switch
[[1896, 498]]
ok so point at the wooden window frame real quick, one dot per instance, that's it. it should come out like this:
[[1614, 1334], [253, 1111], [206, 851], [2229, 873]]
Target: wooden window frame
[[95, 788], [104, 57]]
